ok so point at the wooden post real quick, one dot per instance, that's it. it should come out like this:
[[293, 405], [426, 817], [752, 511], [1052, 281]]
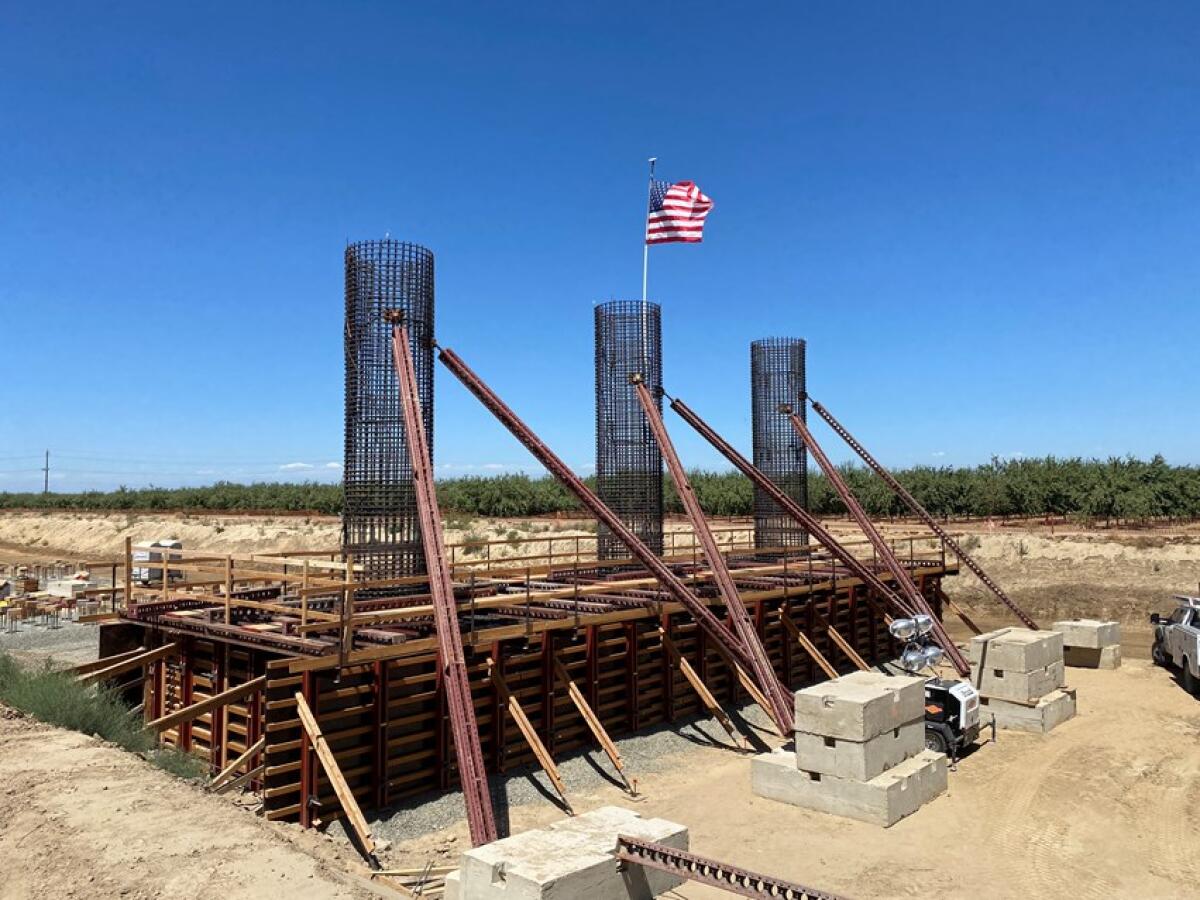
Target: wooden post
[[334, 774], [809, 647], [304, 595], [129, 574], [228, 588], [592, 720], [702, 691], [531, 736]]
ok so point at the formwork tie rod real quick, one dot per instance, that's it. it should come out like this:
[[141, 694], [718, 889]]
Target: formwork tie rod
[[791, 507], [712, 872], [704, 617], [923, 514], [781, 707], [903, 580], [481, 818]]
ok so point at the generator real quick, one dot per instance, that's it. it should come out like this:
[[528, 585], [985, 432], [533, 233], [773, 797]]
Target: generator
[[951, 716]]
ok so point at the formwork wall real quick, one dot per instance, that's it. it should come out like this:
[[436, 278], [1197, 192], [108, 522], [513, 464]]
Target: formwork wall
[[777, 378], [379, 522], [387, 721], [629, 471]]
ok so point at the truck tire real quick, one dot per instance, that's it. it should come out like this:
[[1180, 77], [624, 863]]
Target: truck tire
[[936, 741], [1189, 680], [1158, 653]]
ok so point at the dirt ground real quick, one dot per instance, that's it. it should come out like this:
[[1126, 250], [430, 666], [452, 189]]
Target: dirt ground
[[1105, 805], [79, 818]]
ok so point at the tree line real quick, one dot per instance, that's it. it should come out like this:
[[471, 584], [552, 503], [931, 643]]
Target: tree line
[[1116, 489]]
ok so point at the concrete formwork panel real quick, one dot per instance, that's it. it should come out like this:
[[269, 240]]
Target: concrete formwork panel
[[860, 706], [883, 800], [860, 760], [1048, 713], [1090, 634], [1016, 649], [1019, 687], [1088, 658]]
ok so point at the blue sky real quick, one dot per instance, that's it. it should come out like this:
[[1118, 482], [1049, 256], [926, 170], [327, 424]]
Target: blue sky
[[982, 217]]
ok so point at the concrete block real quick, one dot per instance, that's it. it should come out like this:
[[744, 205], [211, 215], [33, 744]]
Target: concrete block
[[884, 800], [1048, 713], [453, 886], [860, 760], [574, 858], [1020, 687], [1015, 649], [1091, 634], [860, 706], [1087, 658]]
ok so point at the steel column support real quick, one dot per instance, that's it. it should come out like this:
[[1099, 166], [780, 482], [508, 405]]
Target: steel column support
[[923, 514], [676, 588], [704, 870], [788, 505], [481, 817], [900, 575], [781, 705]]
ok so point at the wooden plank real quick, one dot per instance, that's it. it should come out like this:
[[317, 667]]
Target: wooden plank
[[241, 780], [842, 643], [957, 610], [226, 773], [198, 709], [106, 662], [809, 647], [702, 691], [334, 774], [593, 722], [530, 733], [132, 662]]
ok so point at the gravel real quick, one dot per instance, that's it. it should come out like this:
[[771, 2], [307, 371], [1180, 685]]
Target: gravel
[[582, 772], [71, 643]]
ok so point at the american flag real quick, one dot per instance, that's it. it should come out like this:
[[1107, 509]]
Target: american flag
[[677, 213]]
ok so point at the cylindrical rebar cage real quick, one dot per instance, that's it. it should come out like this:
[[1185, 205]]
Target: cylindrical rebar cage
[[380, 525], [777, 378], [628, 459]]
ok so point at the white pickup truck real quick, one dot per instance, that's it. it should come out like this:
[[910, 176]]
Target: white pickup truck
[[1177, 641]]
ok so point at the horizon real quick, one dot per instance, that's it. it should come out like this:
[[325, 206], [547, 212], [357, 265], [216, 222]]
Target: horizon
[[982, 221]]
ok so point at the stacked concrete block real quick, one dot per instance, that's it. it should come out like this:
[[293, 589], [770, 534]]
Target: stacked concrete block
[[859, 751], [1090, 644], [568, 859], [1021, 678]]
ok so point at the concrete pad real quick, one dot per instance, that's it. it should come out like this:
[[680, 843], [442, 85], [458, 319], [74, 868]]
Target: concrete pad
[[860, 760], [1091, 634], [884, 800], [1015, 649], [1087, 658], [860, 706], [569, 859], [1019, 687], [1049, 712]]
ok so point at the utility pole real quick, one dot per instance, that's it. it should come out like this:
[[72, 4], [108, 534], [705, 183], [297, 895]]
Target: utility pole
[[46, 475]]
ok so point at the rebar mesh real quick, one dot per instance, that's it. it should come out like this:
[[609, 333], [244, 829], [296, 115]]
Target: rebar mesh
[[628, 460], [777, 378], [380, 526]]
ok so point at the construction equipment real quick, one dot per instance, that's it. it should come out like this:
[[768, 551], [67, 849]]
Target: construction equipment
[[951, 716], [921, 513]]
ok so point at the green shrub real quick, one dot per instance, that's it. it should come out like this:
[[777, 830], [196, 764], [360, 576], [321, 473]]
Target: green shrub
[[58, 699]]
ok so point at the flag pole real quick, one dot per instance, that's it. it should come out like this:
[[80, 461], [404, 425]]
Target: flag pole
[[646, 272], [645, 242]]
